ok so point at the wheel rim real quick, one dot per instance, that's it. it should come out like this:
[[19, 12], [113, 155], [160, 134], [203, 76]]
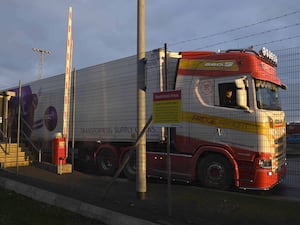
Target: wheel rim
[[215, 173], [107, 162]]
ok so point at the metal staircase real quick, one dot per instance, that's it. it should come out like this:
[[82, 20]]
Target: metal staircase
[[15, 132], [13, 139], [12, 156]]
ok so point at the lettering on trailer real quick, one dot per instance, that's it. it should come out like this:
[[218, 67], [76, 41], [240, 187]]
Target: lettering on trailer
[[66, 112], [109, 132]]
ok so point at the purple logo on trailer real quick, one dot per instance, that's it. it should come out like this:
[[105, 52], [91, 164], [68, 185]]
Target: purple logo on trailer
[[50, 118]]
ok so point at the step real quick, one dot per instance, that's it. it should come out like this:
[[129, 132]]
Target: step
[[64, 169], [13, 154], [14, 164], [9, 160], [10, 147], [14, 159]]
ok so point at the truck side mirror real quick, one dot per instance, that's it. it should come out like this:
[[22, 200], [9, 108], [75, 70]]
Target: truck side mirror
[[241, 93], [241, 98]]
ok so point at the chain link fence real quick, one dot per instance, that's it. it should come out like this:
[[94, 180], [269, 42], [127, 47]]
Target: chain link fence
[[289, 72]]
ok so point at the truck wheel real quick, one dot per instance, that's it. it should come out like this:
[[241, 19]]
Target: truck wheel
[[215, 171], [106, 162], [130, 168]]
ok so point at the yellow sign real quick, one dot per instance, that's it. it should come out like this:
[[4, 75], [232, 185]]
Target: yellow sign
[[167, 107], [226, 65]]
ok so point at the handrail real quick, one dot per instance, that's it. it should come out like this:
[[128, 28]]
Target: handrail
[[1, 131], [243, 50], [4, 150], [5, 142], [38, 150], [30, 142]]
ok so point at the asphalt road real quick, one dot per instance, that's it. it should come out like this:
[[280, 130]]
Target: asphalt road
[[291, 186]]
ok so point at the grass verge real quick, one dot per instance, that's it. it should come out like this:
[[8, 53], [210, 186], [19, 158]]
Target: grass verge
[[18, 209]]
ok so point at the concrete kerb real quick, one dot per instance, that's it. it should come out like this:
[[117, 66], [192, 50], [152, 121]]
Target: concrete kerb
[[106, 216]]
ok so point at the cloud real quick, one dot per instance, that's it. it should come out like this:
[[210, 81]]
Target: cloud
[[107, 30]]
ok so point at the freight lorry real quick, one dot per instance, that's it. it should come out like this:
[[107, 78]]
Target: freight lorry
[[232, 130], [293, 133]]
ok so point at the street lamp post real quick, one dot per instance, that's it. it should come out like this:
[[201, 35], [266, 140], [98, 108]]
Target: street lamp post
[[42, 52]]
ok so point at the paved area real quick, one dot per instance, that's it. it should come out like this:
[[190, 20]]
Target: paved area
[[86, 194], [79, 192]]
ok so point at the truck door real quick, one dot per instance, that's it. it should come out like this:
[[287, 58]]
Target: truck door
[[235, 124], [217, 118]]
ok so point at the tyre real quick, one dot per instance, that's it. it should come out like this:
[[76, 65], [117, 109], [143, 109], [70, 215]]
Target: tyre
[[84, 161], [215, 171], [106, 162], [130, 168]]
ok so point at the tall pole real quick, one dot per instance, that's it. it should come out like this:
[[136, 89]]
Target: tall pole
[[73, 116], [19, 125], [67, 89], [141, 185], [42, 53], [168, 140]]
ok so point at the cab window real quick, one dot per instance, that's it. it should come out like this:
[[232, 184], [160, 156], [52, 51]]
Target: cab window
[[227, 95]]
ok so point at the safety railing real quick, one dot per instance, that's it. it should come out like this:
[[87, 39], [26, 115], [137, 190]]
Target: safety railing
[[26, 140], [5, 139]]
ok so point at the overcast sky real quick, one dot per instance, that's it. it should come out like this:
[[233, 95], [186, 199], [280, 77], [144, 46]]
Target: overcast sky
[[105, 30]]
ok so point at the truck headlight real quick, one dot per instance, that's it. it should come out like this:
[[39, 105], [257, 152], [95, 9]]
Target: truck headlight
[[265, 163]]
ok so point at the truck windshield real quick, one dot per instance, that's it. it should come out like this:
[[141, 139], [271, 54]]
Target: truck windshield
[[267, 95]]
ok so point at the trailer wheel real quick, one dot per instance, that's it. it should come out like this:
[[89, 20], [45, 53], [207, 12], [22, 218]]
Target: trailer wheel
[[130, 168], [106, 162], [215, 171]]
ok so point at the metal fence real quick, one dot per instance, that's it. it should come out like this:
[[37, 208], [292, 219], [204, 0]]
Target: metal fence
[[289, 72]]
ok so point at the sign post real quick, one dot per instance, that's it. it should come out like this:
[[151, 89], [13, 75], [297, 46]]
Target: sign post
[[167, 112]]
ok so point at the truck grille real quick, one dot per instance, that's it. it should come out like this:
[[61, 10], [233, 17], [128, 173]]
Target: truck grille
[[279, 158], [278, 162]]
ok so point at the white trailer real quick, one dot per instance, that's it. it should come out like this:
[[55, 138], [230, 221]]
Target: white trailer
[[105, 98]]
